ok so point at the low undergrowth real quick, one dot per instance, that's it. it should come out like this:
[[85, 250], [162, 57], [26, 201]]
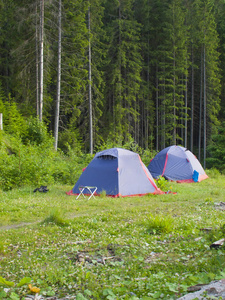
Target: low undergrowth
[[151, 247]]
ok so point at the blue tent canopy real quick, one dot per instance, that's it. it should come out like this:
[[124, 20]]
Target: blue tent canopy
[[178, 164], [118, 172]]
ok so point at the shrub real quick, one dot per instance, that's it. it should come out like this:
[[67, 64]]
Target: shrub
[[14, 122], [21, 165], [37, 164], [213, 173], [36, 133], [216, 150], [147, 155], [162, 183], [69, 139]]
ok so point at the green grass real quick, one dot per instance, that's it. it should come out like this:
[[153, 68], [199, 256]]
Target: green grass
[[151, 247]]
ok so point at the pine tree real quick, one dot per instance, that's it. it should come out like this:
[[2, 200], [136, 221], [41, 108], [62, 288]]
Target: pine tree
[[95, 84], [209, 81], [148, 113], [220, 23], [8, 39], [73, 72], [174, 70], [123, 70]]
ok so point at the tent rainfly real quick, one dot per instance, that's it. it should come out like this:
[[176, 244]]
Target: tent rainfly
[[176, 163], [119, 173]]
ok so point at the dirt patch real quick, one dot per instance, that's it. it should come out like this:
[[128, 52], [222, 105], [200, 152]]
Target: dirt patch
[[13, 226]]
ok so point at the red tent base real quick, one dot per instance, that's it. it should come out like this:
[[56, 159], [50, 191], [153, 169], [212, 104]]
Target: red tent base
[[156, 192], [200, 178]]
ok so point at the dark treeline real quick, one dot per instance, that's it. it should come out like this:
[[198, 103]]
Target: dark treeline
[[148, 71]]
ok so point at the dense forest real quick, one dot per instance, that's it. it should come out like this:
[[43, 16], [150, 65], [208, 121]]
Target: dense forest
[[109, 72]]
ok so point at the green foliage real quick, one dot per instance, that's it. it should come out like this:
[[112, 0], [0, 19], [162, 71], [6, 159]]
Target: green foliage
[[143, 56], [21, 165], [122, 71], [37, 163], [36, 133], [147, 155], [6, 282], [103, 194], [13, 290], [55, 218], [213, 173], [216, 150], [13, 120], [69, 139], [163, 183], [159, 224]]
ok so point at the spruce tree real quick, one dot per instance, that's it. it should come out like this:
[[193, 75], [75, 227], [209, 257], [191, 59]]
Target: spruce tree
[[122, 70], [8, 39], [73, 70], [220, 23], [95, 83], [173, 70], [208, 78]]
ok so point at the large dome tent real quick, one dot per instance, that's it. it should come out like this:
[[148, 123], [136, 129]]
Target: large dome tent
[[177, 163], [118, 172]]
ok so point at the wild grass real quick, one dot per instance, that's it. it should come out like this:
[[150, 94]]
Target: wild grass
[[151, 247]]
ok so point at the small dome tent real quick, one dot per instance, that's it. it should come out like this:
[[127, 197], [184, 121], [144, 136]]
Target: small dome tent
[[118, 172], [176, 163]]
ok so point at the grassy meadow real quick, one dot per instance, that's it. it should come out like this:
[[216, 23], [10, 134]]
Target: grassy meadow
[[150, 247]]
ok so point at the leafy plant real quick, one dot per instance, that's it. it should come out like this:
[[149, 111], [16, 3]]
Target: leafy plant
[[163, 183], [160, 224], [36, 133], [12, 291], [14, 122], [103, 194]]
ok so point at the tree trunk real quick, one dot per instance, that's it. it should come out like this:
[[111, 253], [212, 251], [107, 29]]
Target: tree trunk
[[157, 109], [120, 73], [90, 82], [41, 57], [200, 113], [163, 115], [186, 113], [174, 101], [204, 105], [56, 131], [37, 63], [192, 102]]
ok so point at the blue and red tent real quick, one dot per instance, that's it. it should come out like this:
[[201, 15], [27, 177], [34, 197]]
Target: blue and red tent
[[176, 163], [118, 172]]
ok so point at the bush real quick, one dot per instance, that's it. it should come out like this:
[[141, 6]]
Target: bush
[[14, 122], [24, 165], [69, 139], [36, 133], [163, 184], [213, 173], [147, 155], [216, 150], [37, 164]]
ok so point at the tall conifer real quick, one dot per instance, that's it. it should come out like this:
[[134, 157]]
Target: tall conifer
[[123, 69], [174, 69], [208, 79]]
